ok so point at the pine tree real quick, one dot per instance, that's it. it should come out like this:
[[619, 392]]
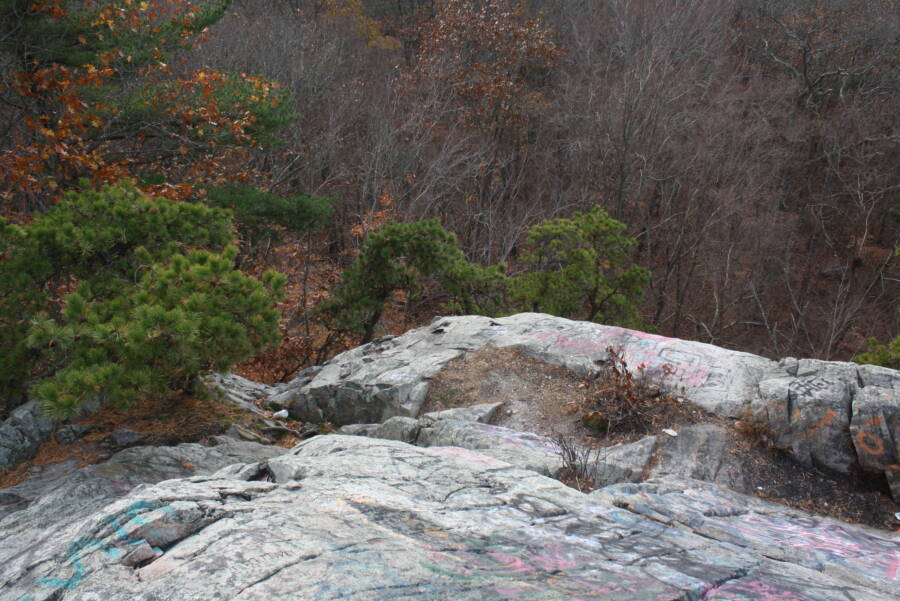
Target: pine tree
[[401, 257], [579, 267], [156, 299]]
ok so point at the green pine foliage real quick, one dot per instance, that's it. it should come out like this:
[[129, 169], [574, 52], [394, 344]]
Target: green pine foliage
[[261, 215], [577, 267], [401, 256], [81, 36], [93, 234], [151, 310], [580, 268], [189, 315], [886, 355]]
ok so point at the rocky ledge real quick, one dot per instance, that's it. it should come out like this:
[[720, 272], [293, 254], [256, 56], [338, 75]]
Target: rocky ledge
[[353, 518]]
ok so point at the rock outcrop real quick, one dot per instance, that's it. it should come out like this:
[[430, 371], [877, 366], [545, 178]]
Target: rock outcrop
[[697, 452], [65, 488], [389, 376], [360, 519], [840, 416]]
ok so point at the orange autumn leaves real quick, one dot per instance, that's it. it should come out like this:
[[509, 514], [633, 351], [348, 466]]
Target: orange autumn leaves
[[104, 104], [490, 55]]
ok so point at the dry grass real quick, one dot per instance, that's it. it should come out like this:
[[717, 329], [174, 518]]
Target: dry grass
[[754, 429]]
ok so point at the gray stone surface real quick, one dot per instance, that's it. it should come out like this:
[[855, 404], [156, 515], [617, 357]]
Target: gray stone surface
[[243, 392], [523, 449], [405, 429], [835, 415], [622, 463], [700, 452], [840, 416], [852, 555], [356, 519], [483, 413], [240, 432], [875, 431], [123, 437], [22, 433]]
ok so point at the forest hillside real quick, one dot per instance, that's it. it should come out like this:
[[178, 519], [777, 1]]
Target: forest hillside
[[720, 171]]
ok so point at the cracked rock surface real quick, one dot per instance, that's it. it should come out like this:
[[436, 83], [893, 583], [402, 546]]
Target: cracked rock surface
[[841, 416], [361, 519]]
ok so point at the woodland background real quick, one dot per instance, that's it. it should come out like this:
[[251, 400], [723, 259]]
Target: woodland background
[[750, 148]]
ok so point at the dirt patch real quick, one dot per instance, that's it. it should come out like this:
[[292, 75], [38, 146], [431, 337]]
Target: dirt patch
[[774, 475], [539, 397], [548, 400]]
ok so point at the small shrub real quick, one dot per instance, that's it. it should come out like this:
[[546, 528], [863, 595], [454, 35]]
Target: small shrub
[[622, 403], [578, 462], [885, 355]]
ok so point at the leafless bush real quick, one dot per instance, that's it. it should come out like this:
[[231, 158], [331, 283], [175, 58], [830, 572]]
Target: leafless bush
[[578, 462]]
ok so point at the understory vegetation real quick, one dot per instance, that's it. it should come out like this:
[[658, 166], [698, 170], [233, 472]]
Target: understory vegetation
[[723, 171]]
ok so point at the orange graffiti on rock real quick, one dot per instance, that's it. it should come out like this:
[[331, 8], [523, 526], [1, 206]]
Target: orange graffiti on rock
[[868, 443]]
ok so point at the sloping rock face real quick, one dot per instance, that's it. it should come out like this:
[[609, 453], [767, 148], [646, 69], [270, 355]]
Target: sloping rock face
[[836, 415], [360, 519], [74, 492]]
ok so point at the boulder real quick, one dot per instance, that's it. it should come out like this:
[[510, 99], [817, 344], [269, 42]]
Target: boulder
[[239, 390], [124, 437], [483, 413], [357, 519], [621, 463], [875, 424], [22, 433], [72, 432], [840, 416]]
